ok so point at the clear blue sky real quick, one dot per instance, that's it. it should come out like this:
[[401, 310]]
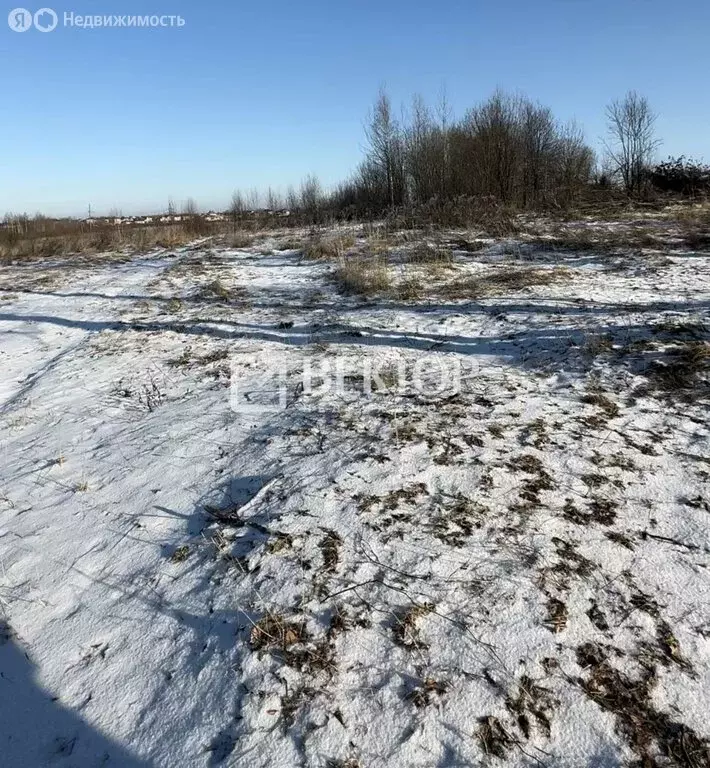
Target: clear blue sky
[[251, 94]]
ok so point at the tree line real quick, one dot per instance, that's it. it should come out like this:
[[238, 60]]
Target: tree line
[[507, 150], [507, 147]]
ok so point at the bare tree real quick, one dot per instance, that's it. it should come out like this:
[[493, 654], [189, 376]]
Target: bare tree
[[272, 202], [632, 145], [384, 137], [254, 199], [444, 113], [292, 200], [237, 208], [190, 208], [311, 196], [574, 163], [537, 136], [494, 130], [419, 148]]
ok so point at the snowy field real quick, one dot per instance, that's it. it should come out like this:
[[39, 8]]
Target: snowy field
[[508, 572]]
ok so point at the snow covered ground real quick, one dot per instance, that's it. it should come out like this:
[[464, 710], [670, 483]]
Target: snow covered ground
[[511, 572]]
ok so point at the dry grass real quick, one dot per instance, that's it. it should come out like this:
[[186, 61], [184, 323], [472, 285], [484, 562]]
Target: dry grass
[[596, 240], [405, 631], [470, 246], [238, 240], [409, 289], [291, 244], [362, 275], [694, 216], [330, 546], [697, 238], [690, 225], [427, 691], [483, 213], [275, 632], [216, 289], [687, 368], [649, 732], [493, 737], [328, 248], [499, 281], [95, 241], [380, 246], [428, 254], [289, 641]]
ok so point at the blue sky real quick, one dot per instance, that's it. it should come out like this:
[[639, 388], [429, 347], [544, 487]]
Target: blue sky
[[251, 94]]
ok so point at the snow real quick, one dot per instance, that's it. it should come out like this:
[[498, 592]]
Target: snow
[[413, 562]]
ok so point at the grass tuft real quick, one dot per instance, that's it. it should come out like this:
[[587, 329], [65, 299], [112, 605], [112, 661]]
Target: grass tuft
[[363, 276]]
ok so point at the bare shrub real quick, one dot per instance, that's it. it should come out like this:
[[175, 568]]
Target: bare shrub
[[682, 176]]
